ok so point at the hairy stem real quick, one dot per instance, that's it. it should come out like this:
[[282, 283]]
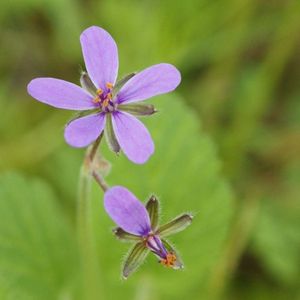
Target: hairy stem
[[88, 252], [100, 180], [91, 164], [91, 152]]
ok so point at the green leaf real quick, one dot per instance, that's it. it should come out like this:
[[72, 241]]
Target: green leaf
[[276, 240], [37, 252], [185, 173]]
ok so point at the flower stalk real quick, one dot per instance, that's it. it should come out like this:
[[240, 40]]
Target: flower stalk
[[90, 164], [87, 246]]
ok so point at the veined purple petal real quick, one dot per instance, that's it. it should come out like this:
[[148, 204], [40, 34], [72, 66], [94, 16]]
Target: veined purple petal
[[133, 137], [60, 94], [127, 211], [83, 131], [155, 80], [100, 54]]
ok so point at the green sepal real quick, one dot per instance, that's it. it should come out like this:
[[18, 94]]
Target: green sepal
[[152, 207], [178, 263], [136, 256], [87, 83], [84, 113], [124, 235], [120, 83], [110, 135], [138, 109], [176, 225]]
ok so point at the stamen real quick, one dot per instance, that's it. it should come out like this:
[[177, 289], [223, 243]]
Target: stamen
[[169, 261], [104, 98], [96, 99], [109, 85], [105, 102], [99, 92]]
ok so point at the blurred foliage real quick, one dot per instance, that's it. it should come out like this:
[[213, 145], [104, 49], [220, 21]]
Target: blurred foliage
[[183, 173], [37, 253], [240, 67]]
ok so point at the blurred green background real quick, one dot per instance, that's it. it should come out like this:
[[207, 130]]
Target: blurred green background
[[227, 149]]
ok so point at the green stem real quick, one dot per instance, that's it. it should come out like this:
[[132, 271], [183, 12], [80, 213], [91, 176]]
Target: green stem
[[235, 246], [91, 152], [88, 251], [100, 180]]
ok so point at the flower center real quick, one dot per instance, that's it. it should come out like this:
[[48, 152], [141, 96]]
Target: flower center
[[154, 244], [104, 98]]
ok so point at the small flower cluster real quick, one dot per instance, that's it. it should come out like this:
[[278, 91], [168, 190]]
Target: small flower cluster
[[109, 106]]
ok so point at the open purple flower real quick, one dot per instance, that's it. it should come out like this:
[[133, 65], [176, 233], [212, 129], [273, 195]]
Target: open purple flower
[[110, 104], [139, 223]]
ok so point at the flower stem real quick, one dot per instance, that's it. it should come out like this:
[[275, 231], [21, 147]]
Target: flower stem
[[91, 152], [100, 180], [91, 164], [235, 245], [88, 252]]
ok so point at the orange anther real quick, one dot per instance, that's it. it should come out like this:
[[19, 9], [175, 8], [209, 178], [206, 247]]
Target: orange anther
[[109, 85], [105, 102], [96, 99], [99, 92], [169, 261]]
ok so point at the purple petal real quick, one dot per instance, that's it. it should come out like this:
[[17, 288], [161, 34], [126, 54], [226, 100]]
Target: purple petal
[[133, 137], [100, 54], [83, 131], [155, 80], [127, 211], [60, 94]]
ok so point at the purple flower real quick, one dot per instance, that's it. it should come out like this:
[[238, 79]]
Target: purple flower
[[110, 104], [140, 224]]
